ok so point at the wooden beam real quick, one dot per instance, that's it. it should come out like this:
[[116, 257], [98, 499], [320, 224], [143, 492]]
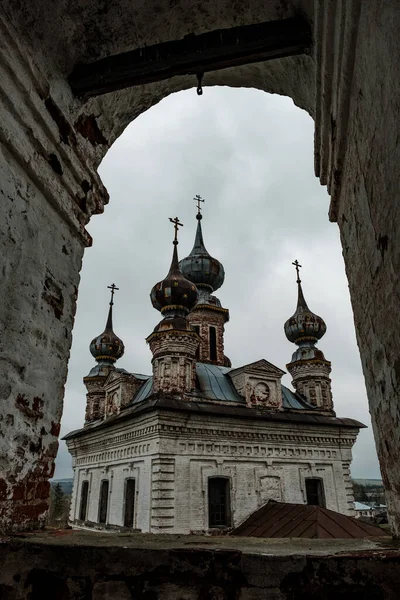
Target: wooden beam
[[194, 54]]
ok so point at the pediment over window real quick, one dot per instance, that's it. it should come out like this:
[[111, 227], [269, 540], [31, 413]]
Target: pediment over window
[[258, 367]]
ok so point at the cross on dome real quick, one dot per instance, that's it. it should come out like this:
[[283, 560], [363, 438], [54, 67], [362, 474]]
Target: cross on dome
[[113, 289], [177, 224], [198, 199], [297, 266]]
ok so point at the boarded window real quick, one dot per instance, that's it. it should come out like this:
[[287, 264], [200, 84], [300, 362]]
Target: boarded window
[[219, 510], [84, 500], [315, 492], [103, 505], [129, 502], [213, 343]]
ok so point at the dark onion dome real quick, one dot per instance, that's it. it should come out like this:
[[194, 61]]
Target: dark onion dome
[[201, 268], [107, 347], [304, 325], [175, 292]]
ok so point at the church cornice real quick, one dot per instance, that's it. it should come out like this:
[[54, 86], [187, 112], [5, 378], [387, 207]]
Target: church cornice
[[309, 361], [206, 307], [202, 435], [169, 426], [172, 333], [173, 404]]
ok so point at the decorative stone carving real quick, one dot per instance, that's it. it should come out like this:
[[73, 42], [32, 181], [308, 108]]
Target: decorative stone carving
[[270, 489], [259, 383], [311, 379], [174, 360], [109, 394]]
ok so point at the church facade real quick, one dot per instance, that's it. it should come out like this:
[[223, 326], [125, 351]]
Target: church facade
[[198, 445]]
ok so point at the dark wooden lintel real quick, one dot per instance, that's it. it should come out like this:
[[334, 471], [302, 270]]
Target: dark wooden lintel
[[193, 54]]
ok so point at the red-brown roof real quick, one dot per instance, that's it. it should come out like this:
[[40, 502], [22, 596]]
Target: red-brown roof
[[281, 520]]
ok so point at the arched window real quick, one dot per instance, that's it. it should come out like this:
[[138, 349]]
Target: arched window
[[130, 486], [84, 500], [103, 502], [213, 343], [315, 492], [219, 502]]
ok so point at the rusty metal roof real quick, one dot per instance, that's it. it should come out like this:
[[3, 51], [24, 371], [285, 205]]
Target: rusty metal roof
[[282, 520]]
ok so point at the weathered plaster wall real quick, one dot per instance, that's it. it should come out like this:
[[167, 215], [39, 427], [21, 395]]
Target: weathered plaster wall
[[39, 282], [171, 456], [47, 195], [369, 221]]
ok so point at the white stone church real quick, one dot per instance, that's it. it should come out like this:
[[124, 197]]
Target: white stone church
[[199, 445]]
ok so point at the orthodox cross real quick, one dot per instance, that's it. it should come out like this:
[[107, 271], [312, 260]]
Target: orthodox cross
[[297, 265], [177, 224], [112, 287], [198, 199]]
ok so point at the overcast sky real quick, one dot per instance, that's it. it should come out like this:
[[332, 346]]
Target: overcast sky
[[250, 155]]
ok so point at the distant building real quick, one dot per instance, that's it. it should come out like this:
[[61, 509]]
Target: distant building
[[363, 510], [199, 445]]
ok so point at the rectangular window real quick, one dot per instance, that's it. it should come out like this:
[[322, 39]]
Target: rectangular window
[[84, 500], [315, 492], [129, 502], [103, 504], [219, 510], [213, 343]]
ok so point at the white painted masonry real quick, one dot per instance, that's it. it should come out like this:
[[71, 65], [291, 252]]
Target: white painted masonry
[[171, 456]]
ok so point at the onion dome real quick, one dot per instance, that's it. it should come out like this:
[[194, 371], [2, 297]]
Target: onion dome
[[175, 293], [201, 268], [107, 347], [304, 325]]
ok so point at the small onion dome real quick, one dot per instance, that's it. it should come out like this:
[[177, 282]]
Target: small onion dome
[[107, 347], [304, 325], [175, 292], [201, 268]]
